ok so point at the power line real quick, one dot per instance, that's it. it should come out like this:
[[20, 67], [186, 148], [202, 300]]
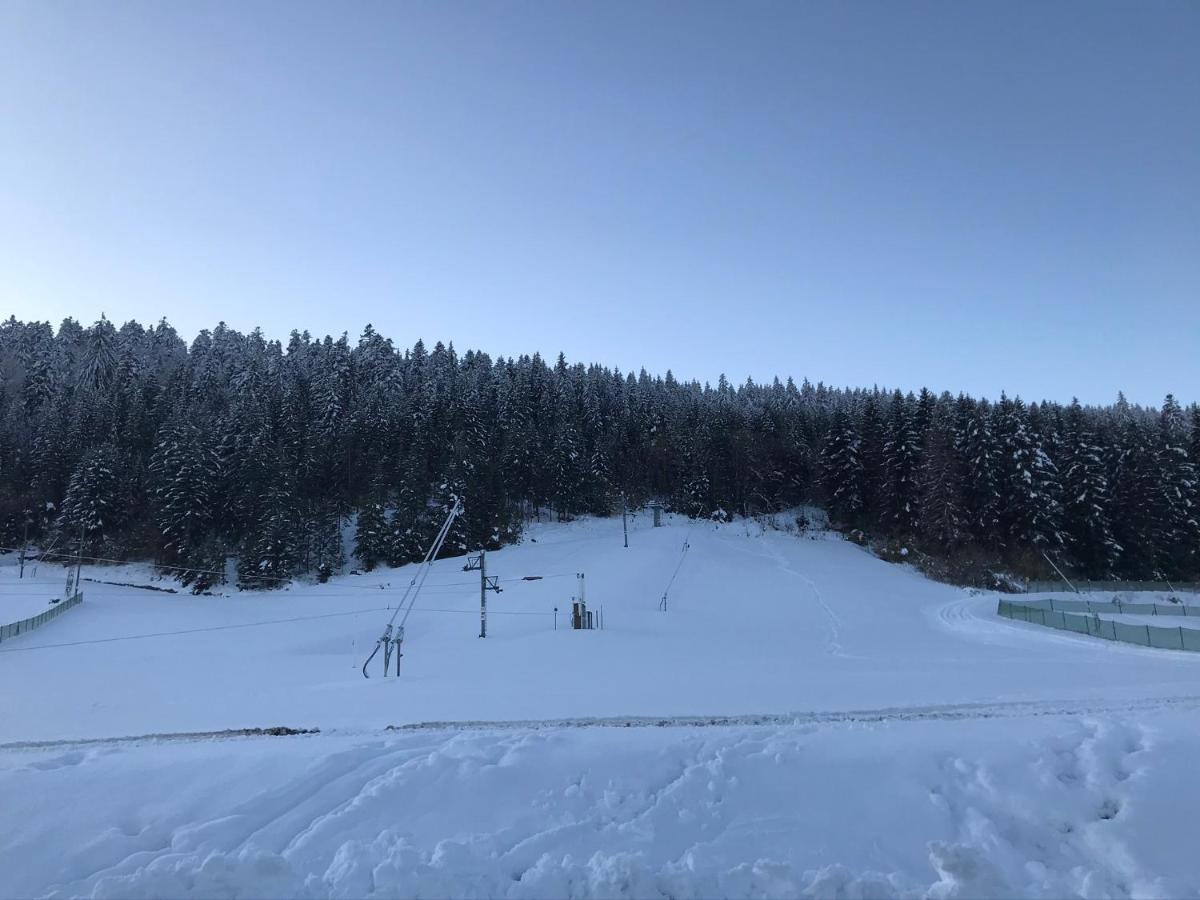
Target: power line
[[126, 562], [134, 637], [363, 587]]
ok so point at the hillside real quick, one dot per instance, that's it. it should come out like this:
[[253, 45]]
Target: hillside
[[803, 718], [132, 444], [757, 622]]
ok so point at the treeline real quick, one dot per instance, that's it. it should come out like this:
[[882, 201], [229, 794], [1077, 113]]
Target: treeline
[[244, 447]]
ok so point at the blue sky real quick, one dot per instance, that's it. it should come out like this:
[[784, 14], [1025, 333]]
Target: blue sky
[[969, 196]]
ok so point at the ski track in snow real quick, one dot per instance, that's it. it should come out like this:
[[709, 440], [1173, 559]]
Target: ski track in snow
[[833, 622]]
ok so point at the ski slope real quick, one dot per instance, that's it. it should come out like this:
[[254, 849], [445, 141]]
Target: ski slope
[[803, 718]]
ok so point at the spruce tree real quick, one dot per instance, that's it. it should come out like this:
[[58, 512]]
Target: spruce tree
[[1087, 503], [901, 452], [841, 471], [1177, 538], [980, 494], [941, 524]]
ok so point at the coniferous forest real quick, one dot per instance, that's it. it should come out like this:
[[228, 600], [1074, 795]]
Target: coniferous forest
[[241, 447]]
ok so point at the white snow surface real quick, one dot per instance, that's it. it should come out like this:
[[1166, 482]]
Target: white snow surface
[[1040, 807], [803, 720], [22, 597]]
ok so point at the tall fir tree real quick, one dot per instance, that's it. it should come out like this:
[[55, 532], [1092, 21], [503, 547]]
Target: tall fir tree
[[1087, 503]]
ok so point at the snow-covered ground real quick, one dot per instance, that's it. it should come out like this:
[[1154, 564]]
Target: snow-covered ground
[[22, 597], [1028, 806], [873, 733]]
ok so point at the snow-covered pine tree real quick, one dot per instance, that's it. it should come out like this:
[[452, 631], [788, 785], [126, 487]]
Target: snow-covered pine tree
[[272, 550], [941, 524], [187, 486], [870, 452], [1086, 500], [1133, 477], [842, 471], [1178, 518], [1030, 491], [92, 506], [901, 456], [373, 537], [979, 452]]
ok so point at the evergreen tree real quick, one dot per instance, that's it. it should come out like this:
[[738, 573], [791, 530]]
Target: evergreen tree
[[1177, 541], [241, 445], [92, 505], [980, 493], [1086, 516], [1133, 477], [842, 471], [372, 535], [901, 452], [1031, 510], [186, 479], [942, 523]]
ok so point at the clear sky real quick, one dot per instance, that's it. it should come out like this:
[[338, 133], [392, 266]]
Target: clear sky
[[975, 196]]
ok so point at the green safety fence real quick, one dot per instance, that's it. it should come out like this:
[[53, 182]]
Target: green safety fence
[[1164, 637], [1042, 587], [13, 629], [1060, 604]]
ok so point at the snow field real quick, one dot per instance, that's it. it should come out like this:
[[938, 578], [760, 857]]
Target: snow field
[[877, 735], [758, 622], [23, 598], [1038, 807]]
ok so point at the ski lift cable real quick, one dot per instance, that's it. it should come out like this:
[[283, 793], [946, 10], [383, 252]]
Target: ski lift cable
[[206, 628], [388, 643], [679, 565], [358, 587], [427, 565], [133, 637], [127, 562]]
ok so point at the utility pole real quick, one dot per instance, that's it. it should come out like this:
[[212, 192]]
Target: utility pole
[[24, 544], [78, 563], [625, 520], [485, 584], [1059, 571]]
